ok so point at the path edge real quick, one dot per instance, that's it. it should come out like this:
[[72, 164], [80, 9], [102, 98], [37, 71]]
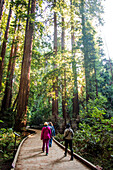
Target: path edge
[[17, 153], [18, 150]]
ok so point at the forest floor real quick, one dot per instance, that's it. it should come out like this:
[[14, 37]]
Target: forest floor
[[31, 157]]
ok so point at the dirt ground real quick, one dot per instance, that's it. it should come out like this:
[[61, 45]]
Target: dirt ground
[[31, 157]]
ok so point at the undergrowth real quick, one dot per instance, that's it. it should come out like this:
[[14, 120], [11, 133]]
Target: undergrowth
[[94, 141], [7, 145]]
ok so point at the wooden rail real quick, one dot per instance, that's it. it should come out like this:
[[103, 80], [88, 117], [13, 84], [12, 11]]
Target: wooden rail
[[87, 163]]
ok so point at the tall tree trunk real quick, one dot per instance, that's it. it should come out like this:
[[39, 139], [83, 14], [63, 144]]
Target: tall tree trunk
[[85, 51], [64, 80], [6, 103], [25, 71], [6, 98], [55, 78], [1, 8], [4, 44], [75, 89]]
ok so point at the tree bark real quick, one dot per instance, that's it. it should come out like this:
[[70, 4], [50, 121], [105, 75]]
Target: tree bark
[[75, 89], [6, 98], [55, 77], [85, 51], [4, 44], [25, 71], [6, 103], [1, 8], [64, 77]]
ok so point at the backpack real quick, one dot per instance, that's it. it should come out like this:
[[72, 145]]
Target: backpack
[[52, 130]]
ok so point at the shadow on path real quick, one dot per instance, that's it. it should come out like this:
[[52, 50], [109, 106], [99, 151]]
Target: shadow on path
[[35, 155], [58, 161], [35, 149]]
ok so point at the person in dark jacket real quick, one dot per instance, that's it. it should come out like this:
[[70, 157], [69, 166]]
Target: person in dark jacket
[[68, 136], [53, 133]]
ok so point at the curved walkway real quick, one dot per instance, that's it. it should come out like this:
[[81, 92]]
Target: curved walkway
[[31, 157]]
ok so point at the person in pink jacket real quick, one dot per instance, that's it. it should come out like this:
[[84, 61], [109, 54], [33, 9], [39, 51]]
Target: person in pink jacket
[[45, 136]]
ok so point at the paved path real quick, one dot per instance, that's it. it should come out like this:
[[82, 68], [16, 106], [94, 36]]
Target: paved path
[[31, 157]]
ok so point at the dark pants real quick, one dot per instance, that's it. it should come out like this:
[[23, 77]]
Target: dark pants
[[66, 147]]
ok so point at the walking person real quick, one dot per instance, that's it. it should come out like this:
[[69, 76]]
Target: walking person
[[68, 136], [45, 136], [53, 133]]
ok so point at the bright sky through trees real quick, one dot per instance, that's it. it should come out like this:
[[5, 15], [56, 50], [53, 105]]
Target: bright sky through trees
[[107, 29]]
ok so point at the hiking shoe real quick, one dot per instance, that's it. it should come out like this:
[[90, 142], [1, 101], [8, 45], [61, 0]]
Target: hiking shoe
[[46, 154], [65, 154]]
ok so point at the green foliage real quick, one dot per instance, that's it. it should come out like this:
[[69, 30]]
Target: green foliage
[[105, 85], [39, 116], [96, 107], [7, 140], [94, 146], [35, 119], [8, 118], [59, 138], [7, 143], [94, 140]]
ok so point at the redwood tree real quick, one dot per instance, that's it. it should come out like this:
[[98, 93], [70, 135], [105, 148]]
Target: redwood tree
[[55, 77], [75, 88], [5, 43], [64, 77], [25, 71], [1, 8], [6, 103], [85, 49]]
